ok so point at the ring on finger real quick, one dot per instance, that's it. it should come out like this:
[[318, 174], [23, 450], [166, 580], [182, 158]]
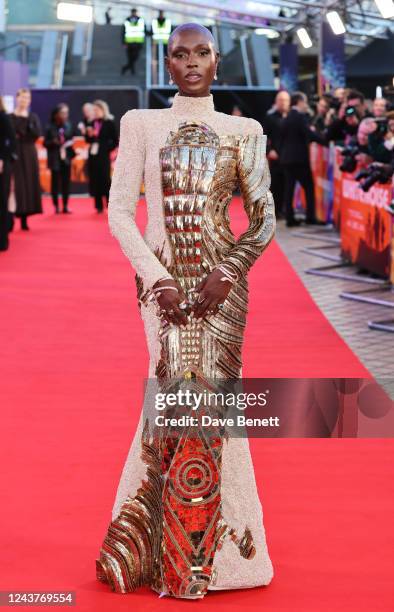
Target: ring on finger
[[200, 301]]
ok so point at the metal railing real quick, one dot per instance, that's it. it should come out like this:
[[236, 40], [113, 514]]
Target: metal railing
[[24, 47]]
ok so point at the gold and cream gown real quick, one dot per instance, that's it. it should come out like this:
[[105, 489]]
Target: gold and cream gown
[[189, 519]]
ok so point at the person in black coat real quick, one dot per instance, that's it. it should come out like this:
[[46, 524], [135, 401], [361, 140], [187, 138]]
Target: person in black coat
[[103, 138], [25, 170], [272, 123], [295, 137], [58, 141], [7, 156]]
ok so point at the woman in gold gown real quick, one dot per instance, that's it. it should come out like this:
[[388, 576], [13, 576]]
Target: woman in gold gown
[[187, 517]]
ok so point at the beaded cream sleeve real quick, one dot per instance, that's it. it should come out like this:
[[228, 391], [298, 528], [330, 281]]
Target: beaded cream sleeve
[[254, 181], [123, 198]]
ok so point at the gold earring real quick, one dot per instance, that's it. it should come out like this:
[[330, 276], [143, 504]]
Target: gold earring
[[216, 77]]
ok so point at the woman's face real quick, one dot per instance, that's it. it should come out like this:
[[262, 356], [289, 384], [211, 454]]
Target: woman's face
[[98, 112], [63, 114], [192, 62], [23, 101]]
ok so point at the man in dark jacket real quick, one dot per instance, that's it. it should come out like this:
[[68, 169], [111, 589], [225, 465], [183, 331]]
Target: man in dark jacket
[[272, 122], [295, 138]]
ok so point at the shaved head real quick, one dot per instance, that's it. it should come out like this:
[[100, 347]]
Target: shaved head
[[197, 27]]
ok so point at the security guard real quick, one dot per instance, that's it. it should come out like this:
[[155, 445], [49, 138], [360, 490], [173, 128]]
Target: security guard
[[133, 38], [161, 28]]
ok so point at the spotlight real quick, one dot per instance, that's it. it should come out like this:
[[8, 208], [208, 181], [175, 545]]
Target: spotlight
[[268, 32], [386, 7], [304, 37], [74, 12], [336, 23]]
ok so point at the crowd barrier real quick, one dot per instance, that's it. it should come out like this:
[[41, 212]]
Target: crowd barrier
[[364, 220]]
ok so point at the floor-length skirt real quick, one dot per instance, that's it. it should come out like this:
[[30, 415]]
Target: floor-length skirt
[[187, 517]]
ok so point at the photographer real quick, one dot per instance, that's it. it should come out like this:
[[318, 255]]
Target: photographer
[[357, 150], [381, 144], [350, 115], [381, 138], [379, 108], [321, 120]]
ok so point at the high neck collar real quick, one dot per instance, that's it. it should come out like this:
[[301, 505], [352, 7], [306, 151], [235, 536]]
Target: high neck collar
[[192, 104]]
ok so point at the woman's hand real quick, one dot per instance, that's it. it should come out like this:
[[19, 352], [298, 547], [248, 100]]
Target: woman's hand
[[212, 291], [169, 301]]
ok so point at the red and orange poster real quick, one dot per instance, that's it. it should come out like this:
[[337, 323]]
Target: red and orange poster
[[366, 225]]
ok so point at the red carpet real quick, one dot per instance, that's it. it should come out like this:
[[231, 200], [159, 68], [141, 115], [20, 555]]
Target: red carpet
[[72, 363]]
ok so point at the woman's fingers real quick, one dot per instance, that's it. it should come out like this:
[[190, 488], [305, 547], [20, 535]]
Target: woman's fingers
[[169, 303], [206, 307]]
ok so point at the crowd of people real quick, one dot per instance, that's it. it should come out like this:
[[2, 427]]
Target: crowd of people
[[20, 189], [365, 131]]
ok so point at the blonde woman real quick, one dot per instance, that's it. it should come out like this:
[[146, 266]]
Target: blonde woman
[[26, 169], [102, 136]]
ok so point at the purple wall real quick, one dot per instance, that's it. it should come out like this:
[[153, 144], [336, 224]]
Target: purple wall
[[13, 75]]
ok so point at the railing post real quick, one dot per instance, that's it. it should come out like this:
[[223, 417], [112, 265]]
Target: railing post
[[161, 63], [245, 60]]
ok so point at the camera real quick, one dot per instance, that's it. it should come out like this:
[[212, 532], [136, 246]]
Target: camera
[[351, 111], [349, 162], [376, 173], [382, 124]]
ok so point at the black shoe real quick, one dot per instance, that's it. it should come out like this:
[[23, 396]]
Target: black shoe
[[293, 223], [56, 210], [66, 211], [314, 222]]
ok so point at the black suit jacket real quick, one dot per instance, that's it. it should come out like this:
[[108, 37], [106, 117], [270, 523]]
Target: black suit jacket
[[295, 137], [7, 138], [272, 123], [51, 144]]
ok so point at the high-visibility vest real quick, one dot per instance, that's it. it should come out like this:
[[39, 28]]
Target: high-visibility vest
[[161, 31], [134, 32]]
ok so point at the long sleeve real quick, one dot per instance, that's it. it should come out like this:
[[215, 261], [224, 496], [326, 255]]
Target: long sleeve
[[50, 137], [8, 140], [34, 129], [123, 198], [254, 180]]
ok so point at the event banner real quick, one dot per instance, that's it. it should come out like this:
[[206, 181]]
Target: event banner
[[331, 59], [288, 67]]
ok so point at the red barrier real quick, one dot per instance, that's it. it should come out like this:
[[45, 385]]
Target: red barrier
[[366, 225]]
